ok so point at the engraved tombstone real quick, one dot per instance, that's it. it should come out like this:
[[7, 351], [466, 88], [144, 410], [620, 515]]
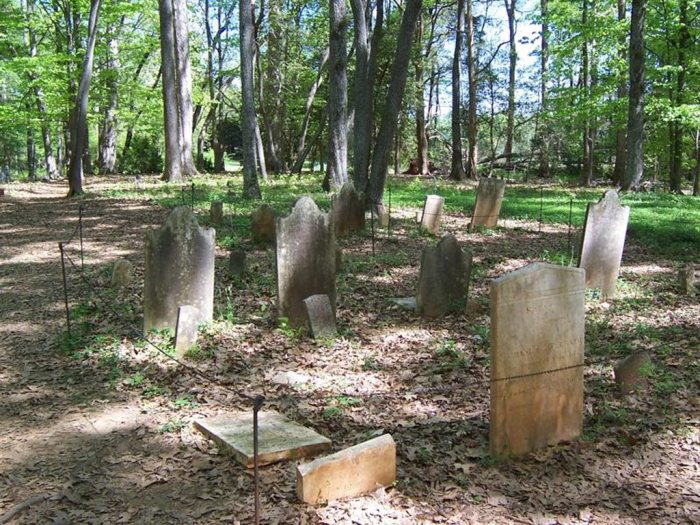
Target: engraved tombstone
[[122, 273], [179, 269], [603, 241], [305, 259], [487, 209], [263, 224], [432, 213], [321, 316], [348, 208], [537, 341], [186, 329], [444, 278]]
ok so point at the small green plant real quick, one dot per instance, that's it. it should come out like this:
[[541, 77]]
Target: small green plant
[[348, 401], [370, 363], [185, 402], [135, 380], [173, 425], [154, 391], [292, 333], [332, 412]]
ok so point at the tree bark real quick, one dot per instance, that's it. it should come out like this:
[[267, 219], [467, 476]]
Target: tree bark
[[472, 125], [587, 160], [512, 63], [620, 135], [634, 163], [301, 147], [397, 85], [338, 97], [678, 131], [172, 168], [457, 170], [79, 120], [421, 127], [251, 189], [544, 131], [107, 158], [184, 86]]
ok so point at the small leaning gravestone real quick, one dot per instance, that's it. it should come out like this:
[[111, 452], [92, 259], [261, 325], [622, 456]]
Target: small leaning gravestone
[[321, 316], [179, 269], [262, 224], [487, 208], [432, 214], [348, 209], [186, 329], [122, 273]]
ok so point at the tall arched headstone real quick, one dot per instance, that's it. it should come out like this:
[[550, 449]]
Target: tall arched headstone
[[489, 196], [305, 259], [348, 208], [603, 241], [179, 269], [444, 278], [537, 341]]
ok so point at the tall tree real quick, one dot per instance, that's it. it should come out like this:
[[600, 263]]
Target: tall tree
[[634, 163], [79, 116], [621, 93], [338, 97], [543, 129], [107, 158], [251, 189], [457, 170], [677, 127], [472, 170], [392, 106], [512, 64]]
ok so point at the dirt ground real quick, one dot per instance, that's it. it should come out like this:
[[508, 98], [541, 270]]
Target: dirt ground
[[87, 440]]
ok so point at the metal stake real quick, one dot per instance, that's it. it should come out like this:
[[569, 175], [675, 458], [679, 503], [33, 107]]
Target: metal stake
[[65, 288], [571, 204], [371, 211], [257, 404], [541, 196], [80, 227], [388, 222], [192, 197]]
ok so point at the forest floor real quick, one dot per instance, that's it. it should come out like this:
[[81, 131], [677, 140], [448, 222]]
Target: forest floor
[[97, 428]]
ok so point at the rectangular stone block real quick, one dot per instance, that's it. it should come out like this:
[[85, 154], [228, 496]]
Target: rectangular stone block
[[321, 316], [348, 473], [537, 341], [186, 329], [432, 213], [279, 439], [487, 209]]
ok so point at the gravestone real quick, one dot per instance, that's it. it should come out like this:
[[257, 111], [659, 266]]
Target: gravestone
[[5, 174], [348, 208], [122, 273], [179, 269], [686, 279], [263, 224], [537, 341], [305, 259], [631, 373], [443, 279], [237, 263], [487, 208], [279, 438], [216, 212], [381, 216], [432, 213], [321, 316], [603, 241], [338, 258], [186, 329]]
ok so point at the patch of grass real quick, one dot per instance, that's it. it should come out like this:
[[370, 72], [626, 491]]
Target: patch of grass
[[185, 402], [371, 363], [135, 380], [172, 425]]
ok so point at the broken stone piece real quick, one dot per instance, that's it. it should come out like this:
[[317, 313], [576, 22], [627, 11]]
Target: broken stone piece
[[122, 273], [630, 372], [186, 329], [321, 316]]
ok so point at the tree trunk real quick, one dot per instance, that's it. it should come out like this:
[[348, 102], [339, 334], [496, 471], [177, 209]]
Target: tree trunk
[[678, 131], [79, 120], [620, 135], [696, 171], [472, 125], [421, 131], [31, 154], [365, 75], [397, 84], [301, 147], [457, 171], [184, 86], [512, 62], [544, 135], [634, 164], [273, 83], [251, 189], [338, 97], [260, 152], [107, 158], [172, 168]]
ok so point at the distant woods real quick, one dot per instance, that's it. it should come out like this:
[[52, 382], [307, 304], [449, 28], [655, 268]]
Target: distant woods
[[590, 90]]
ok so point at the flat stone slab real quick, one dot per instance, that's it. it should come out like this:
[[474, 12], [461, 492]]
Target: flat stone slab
[[321, 316], [279, 438], [407, 303]]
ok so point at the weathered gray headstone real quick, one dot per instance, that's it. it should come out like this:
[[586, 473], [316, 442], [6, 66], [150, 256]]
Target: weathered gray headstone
[[179, 269], [338, 258], [444, 278], [381, 216], [686, 279], [630, 373], [321, 316], [279, 438], [603, 241], [122, 273], [432, 213], [305, 259], [216, 212], [263, 224], [5, 174], [237, 263], [487, 208], [537, 341], [348, 208], [186, 329]]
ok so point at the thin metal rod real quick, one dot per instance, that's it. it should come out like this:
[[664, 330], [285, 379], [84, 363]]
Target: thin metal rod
[[257, 404], [65, 288], [192, 197], [371, 211], [388, 222], [571, 205], [541, 197], [80, 227]]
